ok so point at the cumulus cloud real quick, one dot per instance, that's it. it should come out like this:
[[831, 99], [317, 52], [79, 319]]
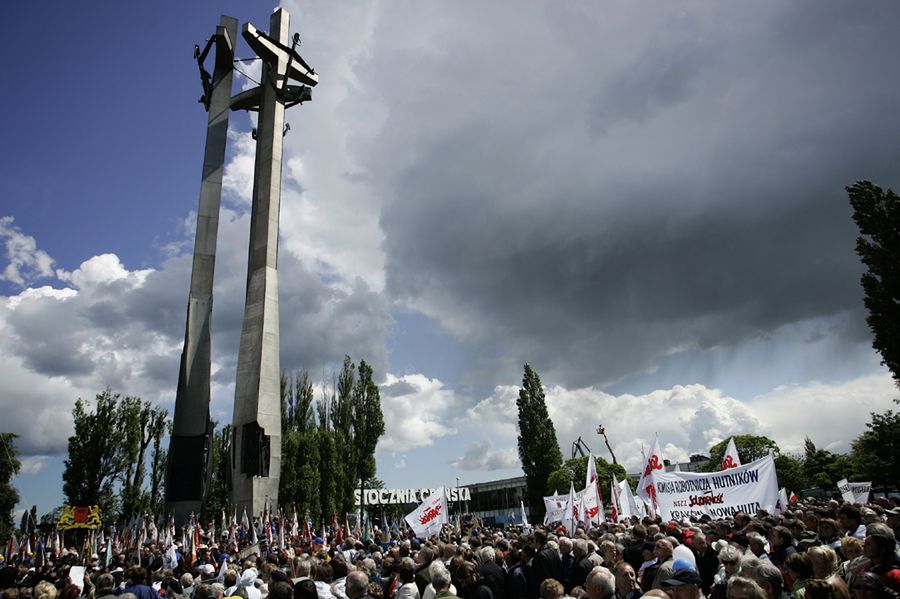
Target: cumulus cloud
[[482, 456], [26, 262], [105, 325], [689, 419], [831, 415], [33, 464], [417, 411]]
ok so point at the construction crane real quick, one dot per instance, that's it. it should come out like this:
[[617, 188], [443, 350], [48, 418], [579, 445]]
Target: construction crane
[[602, 431], [579, 446]]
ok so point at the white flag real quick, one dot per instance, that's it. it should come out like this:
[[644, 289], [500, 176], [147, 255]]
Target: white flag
[[781, 505], [731, 459], [525, 524], [570, 518], [554, 508], [427, 519], [628, 506], [593, 505], [647, 486]]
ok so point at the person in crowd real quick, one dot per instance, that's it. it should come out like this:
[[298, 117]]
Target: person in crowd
[[855, 560], [490, 571], [781, 545], [800, 570], [431, 590], [407, 575], [440, 580], [633, 551], [471, 587], [516, 578], [880, 547], [583, 564], [851, 521], [649, 567], [663, 550], [545, 564], [707, 561], [551, 589], [357, 585], [745, 588], [627, 586], [600, 584], [770, 580], [683, 584], [868, 585], [730, 558]]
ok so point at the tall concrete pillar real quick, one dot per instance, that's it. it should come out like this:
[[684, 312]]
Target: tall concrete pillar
[[188, 468], [256, 457]]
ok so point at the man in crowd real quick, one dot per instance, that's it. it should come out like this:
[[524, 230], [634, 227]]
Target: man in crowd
[[663, 550]]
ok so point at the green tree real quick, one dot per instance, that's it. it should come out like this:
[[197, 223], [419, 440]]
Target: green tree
[[790, 473], [750, 448], [218, 497], [158, 458], [309, 476], [559, 481], [94, 461], [368, 427], [822, 468], [575, 470], [142, 423], [874, 453], [877, 214], [538, 448], [344, 437], [9, 497]]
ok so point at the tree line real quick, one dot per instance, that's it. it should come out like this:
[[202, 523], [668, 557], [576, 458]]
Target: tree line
[[116, 456], [327, 444]]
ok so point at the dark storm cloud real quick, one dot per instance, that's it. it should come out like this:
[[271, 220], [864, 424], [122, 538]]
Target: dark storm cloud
[[594, 186]]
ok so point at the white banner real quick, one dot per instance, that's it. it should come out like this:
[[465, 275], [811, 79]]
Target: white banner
[[854, 492], [746, 488], [555, 508], [427, 519]]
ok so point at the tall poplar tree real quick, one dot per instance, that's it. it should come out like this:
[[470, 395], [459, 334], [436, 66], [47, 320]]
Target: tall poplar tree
[[877, 214], [9, 497], [538, 448], [94, 463], [368, 426]]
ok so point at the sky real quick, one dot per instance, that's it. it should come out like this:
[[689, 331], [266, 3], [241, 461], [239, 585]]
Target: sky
[[644, 201]]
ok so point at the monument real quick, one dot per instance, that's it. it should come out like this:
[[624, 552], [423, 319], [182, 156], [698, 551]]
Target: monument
[[256, 434], [188, 468], [256, 444]]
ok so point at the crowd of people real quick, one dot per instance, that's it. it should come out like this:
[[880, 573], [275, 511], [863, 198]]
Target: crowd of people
[[816, 550]]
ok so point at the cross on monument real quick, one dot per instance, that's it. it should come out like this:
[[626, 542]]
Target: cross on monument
[[256, 446]]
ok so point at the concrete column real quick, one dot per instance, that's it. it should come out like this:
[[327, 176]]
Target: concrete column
[[189, 463]]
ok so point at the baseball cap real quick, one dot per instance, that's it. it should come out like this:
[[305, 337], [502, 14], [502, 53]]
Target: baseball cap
[[680, 577]]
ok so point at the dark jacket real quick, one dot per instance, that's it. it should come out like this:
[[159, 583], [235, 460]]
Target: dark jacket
[[579, 572], [546, 564], [493, 576], [516, 583]]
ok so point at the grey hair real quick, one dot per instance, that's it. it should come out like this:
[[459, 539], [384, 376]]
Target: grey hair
[[768, 573], [602, 580], [486, 554], [440, 577]]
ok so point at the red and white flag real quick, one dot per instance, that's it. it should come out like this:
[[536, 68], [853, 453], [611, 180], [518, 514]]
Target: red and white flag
[[427, 519], [731, 459], [647, 485], [593, 504], [614, 498]]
